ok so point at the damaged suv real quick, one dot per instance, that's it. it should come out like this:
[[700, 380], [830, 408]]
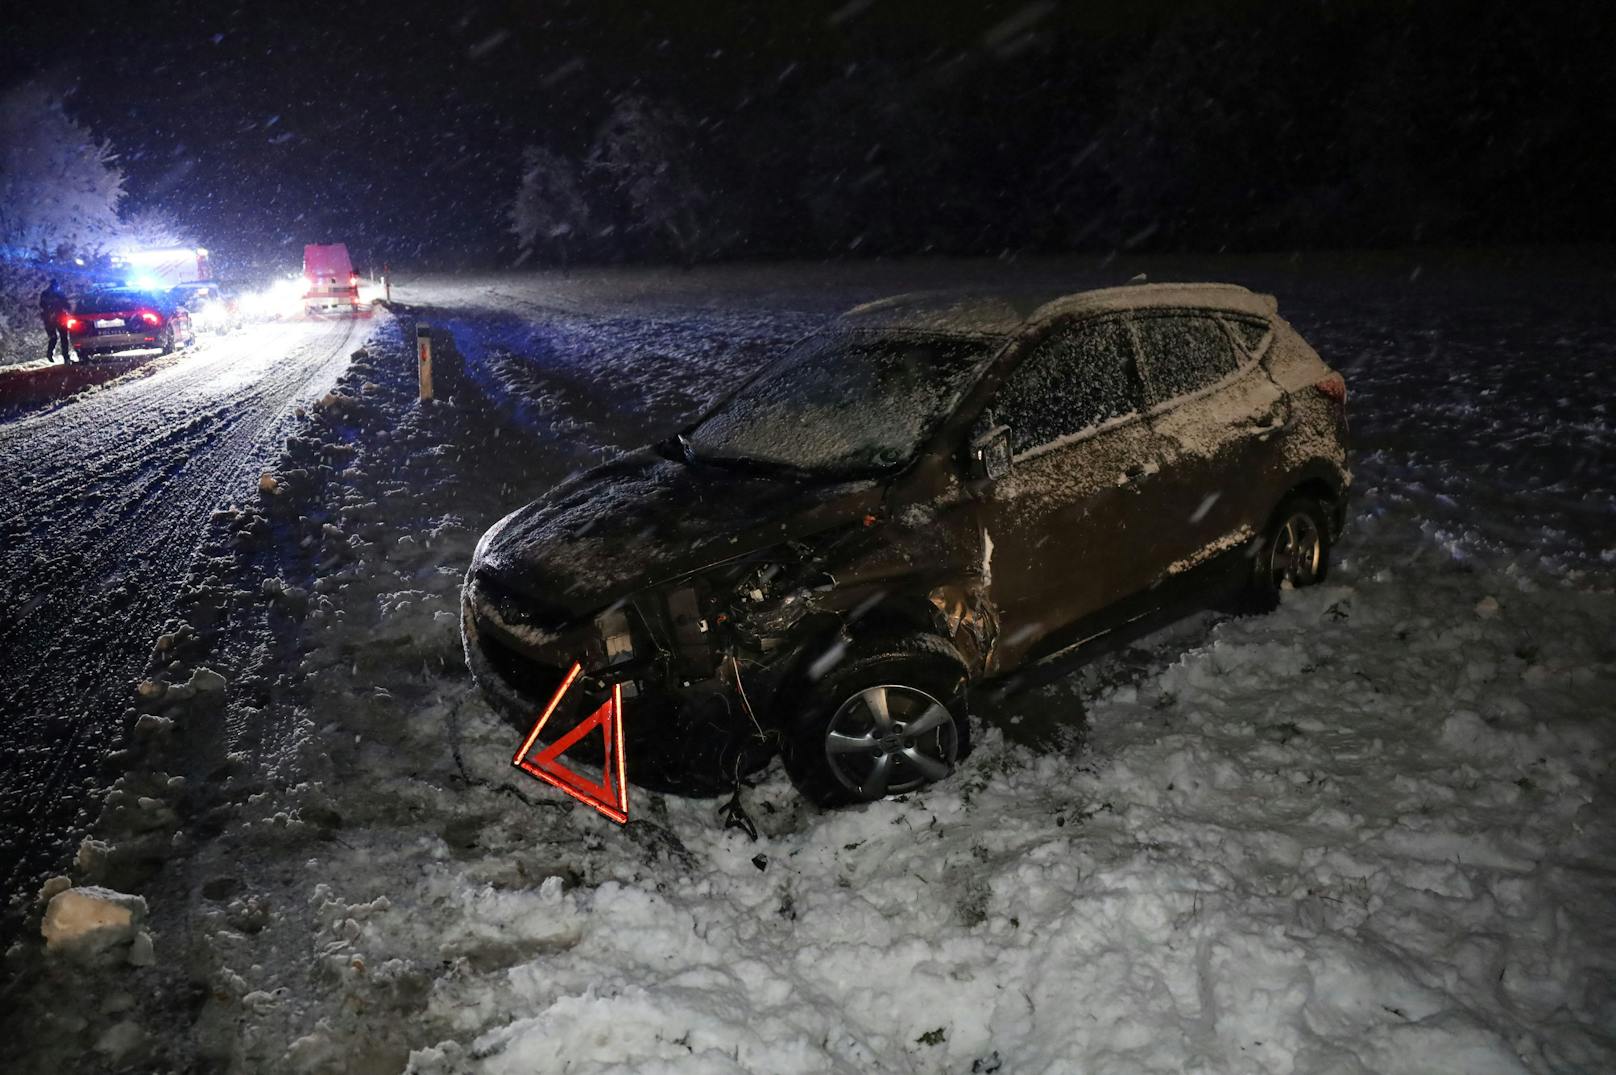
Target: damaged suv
[[931, 494]]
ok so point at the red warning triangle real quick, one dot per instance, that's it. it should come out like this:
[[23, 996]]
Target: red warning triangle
[[609, 795]]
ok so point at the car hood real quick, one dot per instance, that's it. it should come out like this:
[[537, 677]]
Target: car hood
[[641, 519]]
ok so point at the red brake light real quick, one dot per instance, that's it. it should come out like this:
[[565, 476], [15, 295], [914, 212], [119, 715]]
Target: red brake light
[[70, 322], [353, 280], [1335, 387], [151, 318]]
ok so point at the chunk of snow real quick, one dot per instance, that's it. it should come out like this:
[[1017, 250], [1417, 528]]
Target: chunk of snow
[[142, 952], [120, 1038], [91, 919], [206, 681]]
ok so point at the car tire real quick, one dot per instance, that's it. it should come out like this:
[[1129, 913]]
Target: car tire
[[167, 344], [834, 748], [1294, 550]]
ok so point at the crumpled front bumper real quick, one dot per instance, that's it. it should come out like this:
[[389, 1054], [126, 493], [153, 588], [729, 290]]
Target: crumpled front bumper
[[518, 668], [684, 738]]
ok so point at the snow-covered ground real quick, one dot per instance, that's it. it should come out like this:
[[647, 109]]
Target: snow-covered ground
[[1370, 832], [104, 499]]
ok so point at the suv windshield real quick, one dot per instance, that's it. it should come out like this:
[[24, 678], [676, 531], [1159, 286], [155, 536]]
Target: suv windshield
[[846, 401]]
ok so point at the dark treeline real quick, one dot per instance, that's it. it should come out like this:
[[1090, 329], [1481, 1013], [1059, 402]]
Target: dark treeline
[[1253, 126], [626, 130]]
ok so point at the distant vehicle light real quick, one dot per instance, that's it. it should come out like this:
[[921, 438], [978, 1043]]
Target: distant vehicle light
[[284, 298], [211, 313], [201, 251]]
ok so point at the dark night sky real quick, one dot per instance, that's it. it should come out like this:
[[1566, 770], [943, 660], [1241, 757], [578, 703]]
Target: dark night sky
[[270, 123], [398, 127]]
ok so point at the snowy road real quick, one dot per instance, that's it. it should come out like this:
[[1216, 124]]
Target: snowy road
[[104, 501]]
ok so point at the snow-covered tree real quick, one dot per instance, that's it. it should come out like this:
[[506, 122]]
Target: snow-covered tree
[[551, 209], [152, 227], [59, 186], [645, 152], [59, 195]]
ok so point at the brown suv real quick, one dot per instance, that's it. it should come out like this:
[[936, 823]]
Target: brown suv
[[934, 493]]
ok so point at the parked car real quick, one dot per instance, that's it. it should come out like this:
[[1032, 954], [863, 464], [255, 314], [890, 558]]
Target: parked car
[[108, 319], [213, 307], [933, 494]]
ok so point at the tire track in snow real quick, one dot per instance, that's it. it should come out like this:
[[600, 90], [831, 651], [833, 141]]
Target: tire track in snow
[[102, 505]]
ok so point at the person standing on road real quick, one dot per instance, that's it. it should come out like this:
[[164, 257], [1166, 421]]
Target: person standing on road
[[52, 305]]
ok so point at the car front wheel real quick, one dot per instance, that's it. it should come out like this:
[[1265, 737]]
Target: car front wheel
[[888, 719]]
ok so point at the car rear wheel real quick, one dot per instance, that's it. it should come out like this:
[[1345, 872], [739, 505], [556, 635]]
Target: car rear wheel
[[168, 341], [887, 720], [1294, 552]]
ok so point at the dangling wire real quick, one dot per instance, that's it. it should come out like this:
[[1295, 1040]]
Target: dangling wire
[[735, 668]]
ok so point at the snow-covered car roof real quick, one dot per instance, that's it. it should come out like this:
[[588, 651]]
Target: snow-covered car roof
[[1230, 297], [948, 311], [1002, 314]]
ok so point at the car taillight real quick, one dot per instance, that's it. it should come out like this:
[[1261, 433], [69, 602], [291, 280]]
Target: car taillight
[[70, 323], [1335, 387], [151, 318], [353, 280]]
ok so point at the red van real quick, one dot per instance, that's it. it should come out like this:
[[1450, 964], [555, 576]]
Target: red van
[[332, 283]]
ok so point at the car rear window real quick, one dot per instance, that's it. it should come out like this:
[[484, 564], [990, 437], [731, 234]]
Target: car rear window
[[1079, 377], [115, 299], [1181, 353]]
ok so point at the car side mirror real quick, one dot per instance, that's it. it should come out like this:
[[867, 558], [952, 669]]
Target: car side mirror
[[989, 449]]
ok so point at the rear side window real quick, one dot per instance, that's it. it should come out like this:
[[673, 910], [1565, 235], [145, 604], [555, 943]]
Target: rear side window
[[1250, 334], [1079, 377], [1181, 353]]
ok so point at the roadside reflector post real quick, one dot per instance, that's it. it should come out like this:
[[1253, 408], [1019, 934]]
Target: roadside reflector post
[[423, 351]]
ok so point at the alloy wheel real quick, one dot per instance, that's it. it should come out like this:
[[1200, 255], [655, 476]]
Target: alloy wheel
[[890, 738], [1297, 552]]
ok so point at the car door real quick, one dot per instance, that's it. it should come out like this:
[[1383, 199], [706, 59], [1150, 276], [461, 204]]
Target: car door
[[1065, 533], [1218, 413]]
